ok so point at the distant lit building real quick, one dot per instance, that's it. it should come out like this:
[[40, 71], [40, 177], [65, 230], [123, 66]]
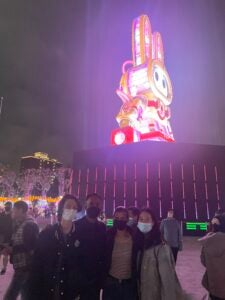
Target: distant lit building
[[40, 161]]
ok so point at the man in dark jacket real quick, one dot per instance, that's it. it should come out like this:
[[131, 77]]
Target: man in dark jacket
[[25, 233], [5, 233], [171, 233], [93, 241]]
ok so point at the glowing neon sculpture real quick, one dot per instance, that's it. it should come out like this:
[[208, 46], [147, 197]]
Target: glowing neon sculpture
[[145, 90]]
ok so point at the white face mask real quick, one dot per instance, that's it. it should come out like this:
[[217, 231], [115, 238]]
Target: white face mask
[[69, 214], [144, 227]]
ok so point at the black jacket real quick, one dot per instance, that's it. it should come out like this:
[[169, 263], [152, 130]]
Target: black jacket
[[56, 269], [111, 233], [93, 250]]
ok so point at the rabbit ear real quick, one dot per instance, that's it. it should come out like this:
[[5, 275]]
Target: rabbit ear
[[157, 47], [141, 40]]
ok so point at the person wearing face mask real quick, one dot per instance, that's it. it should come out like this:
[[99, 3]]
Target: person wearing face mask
[[56, 272], [20, 249], [133, 218], [213, 259], [156, 268], [93, 245], [121, 256]]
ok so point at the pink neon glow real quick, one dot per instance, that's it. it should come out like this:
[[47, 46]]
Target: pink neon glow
[[207, 208], [125, 64], [145, 81], [196, 210], [184, 207], [138, 81], [193, 169], [124, 189], [160, 208], [205, 175], [96, 179], [104, 187], [124, 182], [79, 183], [147, 178]]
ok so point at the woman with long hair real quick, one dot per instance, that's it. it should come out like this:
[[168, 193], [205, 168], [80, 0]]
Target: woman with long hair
[[157, 275]]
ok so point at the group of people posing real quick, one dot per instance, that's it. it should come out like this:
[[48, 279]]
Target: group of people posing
[[81, 259]]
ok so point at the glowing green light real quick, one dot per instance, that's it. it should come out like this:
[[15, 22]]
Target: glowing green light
[[196, 226], [109, 222]]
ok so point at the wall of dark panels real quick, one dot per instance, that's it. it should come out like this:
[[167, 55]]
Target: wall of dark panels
[[189, 178]]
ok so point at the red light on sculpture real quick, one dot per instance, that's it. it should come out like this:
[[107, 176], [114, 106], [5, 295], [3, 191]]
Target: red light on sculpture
[[124, 136]]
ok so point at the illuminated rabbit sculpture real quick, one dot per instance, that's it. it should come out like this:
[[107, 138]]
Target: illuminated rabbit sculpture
[[145, 90]]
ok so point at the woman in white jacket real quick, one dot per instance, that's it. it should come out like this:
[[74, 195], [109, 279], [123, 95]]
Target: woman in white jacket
[[158, 279]]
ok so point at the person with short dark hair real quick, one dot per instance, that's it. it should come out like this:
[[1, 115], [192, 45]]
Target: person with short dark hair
[[133, 217], [213, 259], [55, 270], [219, 212], [158, 279], [121, 259], [23, 242], [93, 248], [171, 233], [5, 233]]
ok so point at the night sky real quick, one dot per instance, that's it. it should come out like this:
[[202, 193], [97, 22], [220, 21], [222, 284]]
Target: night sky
[[60, 64]]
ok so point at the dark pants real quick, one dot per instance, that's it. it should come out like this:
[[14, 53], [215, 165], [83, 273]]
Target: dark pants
[[119, 289], [17, 286], [175, 251], [90, 293], [215, 298]]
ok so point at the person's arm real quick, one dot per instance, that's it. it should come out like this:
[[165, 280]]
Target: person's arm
[[202, 256], [162, 229]]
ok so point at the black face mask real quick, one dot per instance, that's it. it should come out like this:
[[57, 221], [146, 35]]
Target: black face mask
[[120, 224], [93, 212], [216, 227], [7, 209]]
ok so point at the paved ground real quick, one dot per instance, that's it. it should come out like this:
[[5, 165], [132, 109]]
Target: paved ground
[[189, 270]]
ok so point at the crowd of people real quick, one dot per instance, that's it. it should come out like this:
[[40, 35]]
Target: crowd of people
[[79, 258]]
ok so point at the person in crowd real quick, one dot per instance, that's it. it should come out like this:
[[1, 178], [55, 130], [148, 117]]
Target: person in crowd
[[213, 258], [120, 259], [219, 212], [157, 275], [133, 217], [210, 227], [23, 242], [55, 269], [171, 233], [5, 234], [93, 248]]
